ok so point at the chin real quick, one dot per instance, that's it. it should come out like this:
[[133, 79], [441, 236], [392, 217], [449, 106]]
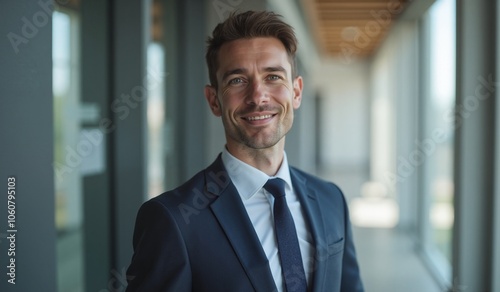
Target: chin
[[263, 144]]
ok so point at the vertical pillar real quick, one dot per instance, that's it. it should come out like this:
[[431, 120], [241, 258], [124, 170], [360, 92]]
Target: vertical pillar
[[496, 220], [475, 145], [95, 88], [26, 131], [130, 32], [192, 107]]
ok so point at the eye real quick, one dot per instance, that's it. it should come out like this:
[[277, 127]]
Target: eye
[[235, 81], [273, 77]]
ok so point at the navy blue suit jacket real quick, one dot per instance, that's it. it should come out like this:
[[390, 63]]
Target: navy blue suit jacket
[[199, 237]]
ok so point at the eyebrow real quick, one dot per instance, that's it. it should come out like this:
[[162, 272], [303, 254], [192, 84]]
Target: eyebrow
[[241, 70], [234, 71], [275, 69]]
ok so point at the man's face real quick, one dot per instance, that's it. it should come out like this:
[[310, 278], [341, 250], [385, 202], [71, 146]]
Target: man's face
[[256, 95]]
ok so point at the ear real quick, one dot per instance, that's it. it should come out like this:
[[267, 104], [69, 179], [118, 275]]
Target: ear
[[297, 92], [213, 102]]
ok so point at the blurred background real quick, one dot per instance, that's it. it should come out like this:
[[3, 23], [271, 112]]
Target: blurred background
[[102, 107]]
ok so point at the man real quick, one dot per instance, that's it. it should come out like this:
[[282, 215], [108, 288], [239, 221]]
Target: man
[[248, 222]]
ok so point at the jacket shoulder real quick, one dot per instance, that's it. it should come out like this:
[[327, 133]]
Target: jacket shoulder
[[314, 180], [326, 192], [182, 193]]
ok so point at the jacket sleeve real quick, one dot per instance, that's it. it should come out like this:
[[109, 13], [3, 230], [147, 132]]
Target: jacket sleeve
[[351, 278], [160, 261]]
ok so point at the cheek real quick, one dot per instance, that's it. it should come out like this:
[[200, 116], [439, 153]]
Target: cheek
[[282, 93], [280, 87], [228, 103], [225, 92], [232, 95]]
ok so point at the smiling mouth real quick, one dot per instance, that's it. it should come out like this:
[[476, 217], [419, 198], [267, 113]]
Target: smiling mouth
[[257, 118]]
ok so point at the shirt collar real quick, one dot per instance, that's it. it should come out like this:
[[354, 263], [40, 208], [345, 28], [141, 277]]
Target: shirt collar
[[247, 179]]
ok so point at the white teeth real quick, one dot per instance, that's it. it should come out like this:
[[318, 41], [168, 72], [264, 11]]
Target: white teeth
[[258, 118]]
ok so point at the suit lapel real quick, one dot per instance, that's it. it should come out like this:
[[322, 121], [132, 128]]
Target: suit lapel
[[233, 218], [314, 218]]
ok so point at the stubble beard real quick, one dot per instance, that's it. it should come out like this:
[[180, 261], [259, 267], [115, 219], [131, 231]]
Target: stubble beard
[[258, 141]]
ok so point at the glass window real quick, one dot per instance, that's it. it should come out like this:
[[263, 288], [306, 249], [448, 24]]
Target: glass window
[[156, 103], [68, 181], [438, 131]]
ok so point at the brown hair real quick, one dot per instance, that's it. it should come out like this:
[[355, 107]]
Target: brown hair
[[249, 24]]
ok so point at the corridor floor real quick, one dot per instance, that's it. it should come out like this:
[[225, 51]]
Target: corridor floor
[[388, 262]]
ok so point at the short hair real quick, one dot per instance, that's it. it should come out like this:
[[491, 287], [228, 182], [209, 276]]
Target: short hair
[[249, 24]]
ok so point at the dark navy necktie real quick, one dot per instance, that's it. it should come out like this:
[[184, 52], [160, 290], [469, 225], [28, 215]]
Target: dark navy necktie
[[288, 243]]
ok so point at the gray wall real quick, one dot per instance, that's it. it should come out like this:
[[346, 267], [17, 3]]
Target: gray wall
[[26, 129]]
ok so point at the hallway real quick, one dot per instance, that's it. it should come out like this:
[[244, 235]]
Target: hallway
[[389, 262], [102, 107], [388, 255]]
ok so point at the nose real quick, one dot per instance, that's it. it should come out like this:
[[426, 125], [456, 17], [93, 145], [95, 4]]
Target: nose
[[257, 94]]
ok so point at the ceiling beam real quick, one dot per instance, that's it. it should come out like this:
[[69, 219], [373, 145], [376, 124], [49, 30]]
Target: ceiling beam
[[333, 17]]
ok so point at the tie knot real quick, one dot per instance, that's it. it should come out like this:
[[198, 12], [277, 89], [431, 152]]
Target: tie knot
[[276, 186]]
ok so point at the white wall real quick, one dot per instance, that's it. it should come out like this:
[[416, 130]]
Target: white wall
[[383, 127], [344, 114], [344, 123]]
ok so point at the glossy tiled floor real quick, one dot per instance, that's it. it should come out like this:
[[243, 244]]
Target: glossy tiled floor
[[389, 263]]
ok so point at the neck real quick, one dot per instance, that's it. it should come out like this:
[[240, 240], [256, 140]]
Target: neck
[[267, 160]]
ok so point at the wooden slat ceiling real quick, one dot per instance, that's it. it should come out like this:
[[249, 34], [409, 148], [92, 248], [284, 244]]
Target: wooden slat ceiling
[[352, 28]]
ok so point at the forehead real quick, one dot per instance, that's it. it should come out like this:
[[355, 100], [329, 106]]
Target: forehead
[[260, 52]]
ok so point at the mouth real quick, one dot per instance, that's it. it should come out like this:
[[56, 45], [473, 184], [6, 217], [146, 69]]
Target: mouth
[[258, 119]]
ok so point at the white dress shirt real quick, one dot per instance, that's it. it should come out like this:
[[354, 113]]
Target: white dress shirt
[[249, 182]]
